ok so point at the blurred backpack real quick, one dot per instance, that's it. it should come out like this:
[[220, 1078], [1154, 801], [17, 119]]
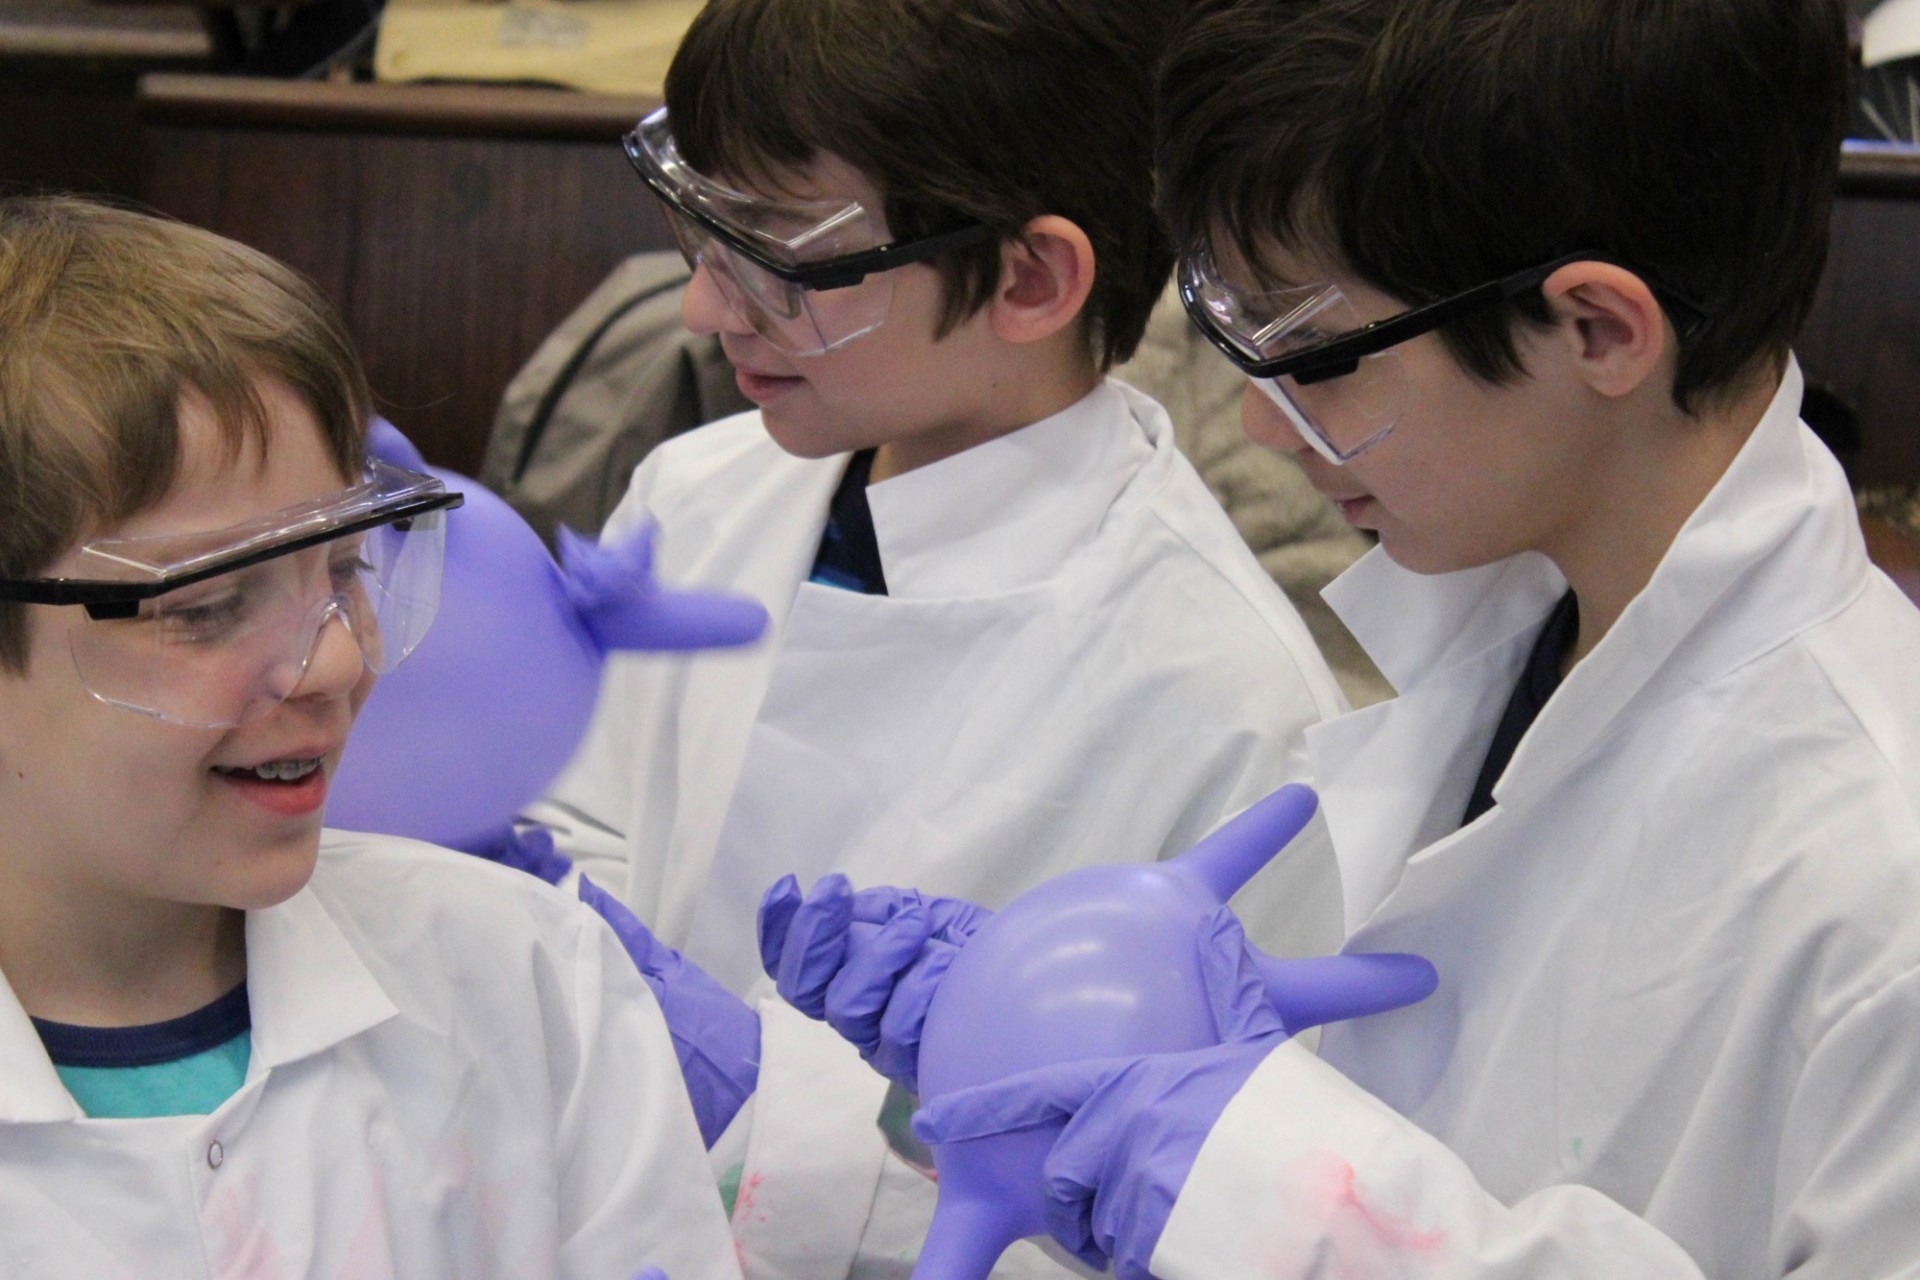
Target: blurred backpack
[[617, 377]]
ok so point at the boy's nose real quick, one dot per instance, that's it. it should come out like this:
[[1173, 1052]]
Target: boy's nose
[[705, 309], [334, 665]]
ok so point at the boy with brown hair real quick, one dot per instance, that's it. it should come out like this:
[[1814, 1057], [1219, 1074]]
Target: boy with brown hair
[[1516, 280], [1012, 632], [230, 1044]]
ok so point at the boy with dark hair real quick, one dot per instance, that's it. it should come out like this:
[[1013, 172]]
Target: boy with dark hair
[[1516, 280], [230, 1044], [1012, 633]]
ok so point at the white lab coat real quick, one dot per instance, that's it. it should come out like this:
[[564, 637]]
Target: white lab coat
[[1078, 661], [1678, 1030], [456, 1075]]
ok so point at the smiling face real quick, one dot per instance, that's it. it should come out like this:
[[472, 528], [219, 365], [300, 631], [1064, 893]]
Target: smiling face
[[1470, 472], [98, 800], [902, 383]]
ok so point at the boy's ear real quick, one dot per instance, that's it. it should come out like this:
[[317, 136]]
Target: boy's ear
[[1613, 325], [1045, 277]]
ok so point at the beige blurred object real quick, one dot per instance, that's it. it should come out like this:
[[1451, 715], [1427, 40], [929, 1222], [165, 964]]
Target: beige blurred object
[[603, 46], [1890, 519], [1300, 537]]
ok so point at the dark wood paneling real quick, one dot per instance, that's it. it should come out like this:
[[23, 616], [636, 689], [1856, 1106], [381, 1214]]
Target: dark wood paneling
[[67, 75], [1863, 337], [450, 257]]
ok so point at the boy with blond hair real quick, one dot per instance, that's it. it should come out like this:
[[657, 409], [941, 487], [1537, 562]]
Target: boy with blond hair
[[230, 1044]]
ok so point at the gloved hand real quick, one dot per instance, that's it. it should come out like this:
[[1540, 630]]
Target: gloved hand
[[715, 1035], [1135, 1125], [651, 1273], [866, 963]]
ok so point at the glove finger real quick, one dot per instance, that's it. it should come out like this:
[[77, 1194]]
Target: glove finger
[[771, 923], [1077, 1175], [955, 919], [897, 1052], [1069, 1219], [816, 945], [679, 621], [1231, 856], [876, 957], [1235, 990], [1027, 1100], [654, 961], [1320, 989], [882, 903]]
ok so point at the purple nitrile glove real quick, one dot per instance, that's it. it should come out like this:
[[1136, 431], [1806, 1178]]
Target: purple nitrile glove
[[651, 1273], [613, 589], [1134, 1126], [866, 963], [529, 849], [716, 1036]]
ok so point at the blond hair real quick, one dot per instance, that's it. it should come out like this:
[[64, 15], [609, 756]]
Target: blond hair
[[107, 319]]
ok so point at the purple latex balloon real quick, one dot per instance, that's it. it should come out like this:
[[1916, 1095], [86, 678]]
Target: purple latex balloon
[[1102, 962], [484, 714]]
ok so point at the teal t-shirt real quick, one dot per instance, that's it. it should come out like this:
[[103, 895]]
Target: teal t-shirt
[[187, 1066]]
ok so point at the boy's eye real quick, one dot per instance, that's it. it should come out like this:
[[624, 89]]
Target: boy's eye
[[203, 617], [346, 570]]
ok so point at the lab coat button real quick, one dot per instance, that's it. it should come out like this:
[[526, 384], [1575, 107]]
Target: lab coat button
[[215, 1154]]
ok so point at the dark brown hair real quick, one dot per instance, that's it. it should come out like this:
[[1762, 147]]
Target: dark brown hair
[[1427, 146], [997, 111], [107, 318]]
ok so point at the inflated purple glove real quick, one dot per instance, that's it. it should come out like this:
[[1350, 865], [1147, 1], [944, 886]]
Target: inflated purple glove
[[866, 963], [613, 589], [1134, 1126], [715, 1035]]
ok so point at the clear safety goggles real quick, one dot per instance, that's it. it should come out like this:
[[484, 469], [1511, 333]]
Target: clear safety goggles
[[808, 275], [215, 629], [1336, 377]]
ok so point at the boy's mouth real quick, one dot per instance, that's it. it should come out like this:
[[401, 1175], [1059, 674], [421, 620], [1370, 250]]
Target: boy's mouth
[[291, 787], [762, 387], [289, 771]]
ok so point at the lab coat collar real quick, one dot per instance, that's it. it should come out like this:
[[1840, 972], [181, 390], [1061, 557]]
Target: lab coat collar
[[30, 1089], [1005, 514], [1772, 549], [307, 987]]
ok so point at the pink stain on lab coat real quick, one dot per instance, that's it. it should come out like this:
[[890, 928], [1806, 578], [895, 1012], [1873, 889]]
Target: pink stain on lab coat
[[242, 1244], [1322, 1222], [1387, 1229], [743, 1202]]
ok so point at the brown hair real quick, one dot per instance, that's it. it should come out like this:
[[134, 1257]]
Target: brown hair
[[107, 318], [996, 111], [1429, 147]]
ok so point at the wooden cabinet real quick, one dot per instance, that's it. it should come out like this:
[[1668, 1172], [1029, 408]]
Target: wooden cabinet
[[454, 227]]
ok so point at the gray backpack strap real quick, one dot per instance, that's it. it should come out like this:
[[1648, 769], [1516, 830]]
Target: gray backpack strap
[[617, 377]]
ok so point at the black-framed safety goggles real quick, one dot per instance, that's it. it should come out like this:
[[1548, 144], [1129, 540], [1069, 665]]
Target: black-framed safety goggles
[[1265, 345], [809, 243]]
